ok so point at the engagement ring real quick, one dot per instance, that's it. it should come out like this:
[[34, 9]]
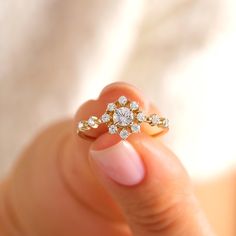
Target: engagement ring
[[123, 117]]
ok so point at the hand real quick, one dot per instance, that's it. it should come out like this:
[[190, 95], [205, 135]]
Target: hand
[[66, 186]]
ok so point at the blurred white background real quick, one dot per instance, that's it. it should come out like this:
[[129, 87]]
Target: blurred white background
[[55, 54]]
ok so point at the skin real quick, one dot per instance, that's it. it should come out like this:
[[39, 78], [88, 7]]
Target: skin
[[55, 188]]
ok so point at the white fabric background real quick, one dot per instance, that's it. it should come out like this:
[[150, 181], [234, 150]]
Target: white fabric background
[[55, 54]]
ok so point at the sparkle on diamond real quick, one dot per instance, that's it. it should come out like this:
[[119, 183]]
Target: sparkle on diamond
[[122, 100], [133, 106], [141, 116], [105, 118], [124, 134], [112, 129], [91, 121], [135, 128], [123, 116], [81, 125], [155, 119], [111, 107]]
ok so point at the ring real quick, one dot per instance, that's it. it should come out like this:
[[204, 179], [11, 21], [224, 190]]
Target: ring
[[123, 117]]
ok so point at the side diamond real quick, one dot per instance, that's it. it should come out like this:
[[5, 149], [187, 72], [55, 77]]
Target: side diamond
[[91, 121], [141, 117], [134, 106], [122, 100], [155, 119], [112, 129], [81, 125], [111, 107], [124, 134], [105, 118], [135, 128], [166, 123]]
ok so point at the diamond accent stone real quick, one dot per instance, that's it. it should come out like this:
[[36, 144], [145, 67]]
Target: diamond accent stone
[[155, 119], [112, 129], [122, 100], [135, 128], [134, 106], [105, 118], [124, 134], [166, 123], [91, 122], [141, 117], [81, 125], [111, 106], [123, 116]]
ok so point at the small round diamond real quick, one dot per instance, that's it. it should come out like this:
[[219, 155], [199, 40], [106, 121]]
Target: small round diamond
[[124, 134], [123, 116], [111, 107], [141, 117], [135, 128], [112, 129], [81, 125], [134, 106], [105, 118], [122, 100], [155, 119], [91, 121], [166, 123]]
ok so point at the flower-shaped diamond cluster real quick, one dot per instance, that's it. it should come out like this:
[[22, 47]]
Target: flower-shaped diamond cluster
[[123, 117]]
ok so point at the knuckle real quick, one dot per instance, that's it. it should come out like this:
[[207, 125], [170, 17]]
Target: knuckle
[[155, 215]]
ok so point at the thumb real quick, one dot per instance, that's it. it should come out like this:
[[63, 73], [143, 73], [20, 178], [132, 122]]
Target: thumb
[[149, 184]]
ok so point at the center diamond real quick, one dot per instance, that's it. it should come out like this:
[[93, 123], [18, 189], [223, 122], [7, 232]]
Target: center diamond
[[123, 116]]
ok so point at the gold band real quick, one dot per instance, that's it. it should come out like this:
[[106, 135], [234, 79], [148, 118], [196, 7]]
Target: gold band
[[163, 129]]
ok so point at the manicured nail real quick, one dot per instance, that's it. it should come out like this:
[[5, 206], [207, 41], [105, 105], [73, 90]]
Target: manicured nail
[[120, 162]]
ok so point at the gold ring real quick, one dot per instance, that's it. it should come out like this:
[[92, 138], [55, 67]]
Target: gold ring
[[123, 117]]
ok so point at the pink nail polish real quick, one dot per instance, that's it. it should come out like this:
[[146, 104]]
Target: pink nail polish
[[121, 163]]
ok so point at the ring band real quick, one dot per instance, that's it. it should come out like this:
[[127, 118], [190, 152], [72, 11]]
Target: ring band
[[123, 117]]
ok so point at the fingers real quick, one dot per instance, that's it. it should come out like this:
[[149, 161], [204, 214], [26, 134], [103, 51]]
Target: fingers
[[53, 176], [89, 189], [150, 185], [53, 184], [52, 191]]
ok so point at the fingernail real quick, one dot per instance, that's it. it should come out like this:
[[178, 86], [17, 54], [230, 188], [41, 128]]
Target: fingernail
[[120, 162]]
